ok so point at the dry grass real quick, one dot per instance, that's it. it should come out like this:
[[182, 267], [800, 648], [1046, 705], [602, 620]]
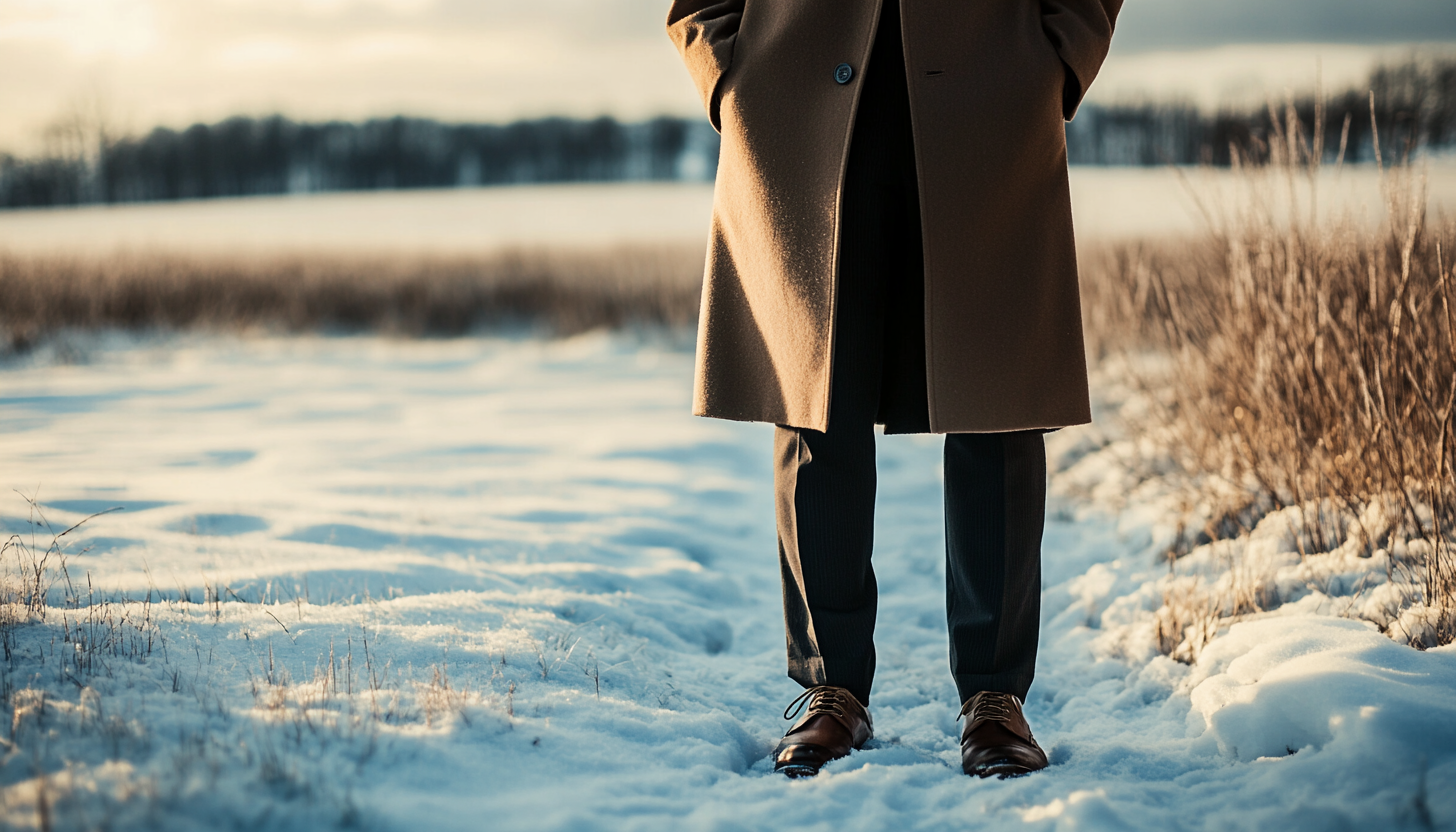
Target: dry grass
[[32, 573], [1316, 369], [80, 748], [562, 291]]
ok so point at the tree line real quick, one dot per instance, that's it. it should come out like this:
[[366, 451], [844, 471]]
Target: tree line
[[275, 155], [1414, 107]]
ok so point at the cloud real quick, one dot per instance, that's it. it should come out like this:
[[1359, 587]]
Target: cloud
[[176, 61], [81, 29], [1165, 24]]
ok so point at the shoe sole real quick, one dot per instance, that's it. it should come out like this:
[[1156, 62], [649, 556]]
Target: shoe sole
[[796, 770], [1001, 770]]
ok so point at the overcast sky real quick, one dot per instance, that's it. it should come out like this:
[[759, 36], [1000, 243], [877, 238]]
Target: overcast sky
[[175, 61]]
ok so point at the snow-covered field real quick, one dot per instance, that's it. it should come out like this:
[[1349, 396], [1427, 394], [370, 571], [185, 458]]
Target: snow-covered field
[[1109, 204], [569, 594]]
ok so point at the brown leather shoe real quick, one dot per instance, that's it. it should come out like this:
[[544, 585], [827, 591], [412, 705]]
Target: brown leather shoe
[[996, 739], [835, 724]]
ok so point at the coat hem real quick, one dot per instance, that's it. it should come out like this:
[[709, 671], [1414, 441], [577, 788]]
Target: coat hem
[[1048, 426]]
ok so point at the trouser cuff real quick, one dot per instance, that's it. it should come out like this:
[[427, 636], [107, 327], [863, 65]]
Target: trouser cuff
[[970, 684]]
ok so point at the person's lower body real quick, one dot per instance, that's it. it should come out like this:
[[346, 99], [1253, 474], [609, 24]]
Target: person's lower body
[[995, 496], [995, 484]]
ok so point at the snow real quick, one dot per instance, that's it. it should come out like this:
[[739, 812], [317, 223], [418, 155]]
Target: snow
[[455, 221], [569, 592], [1108, 204]]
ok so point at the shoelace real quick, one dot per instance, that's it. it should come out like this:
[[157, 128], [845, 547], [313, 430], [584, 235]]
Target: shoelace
[[821, 699], [1000, 707]]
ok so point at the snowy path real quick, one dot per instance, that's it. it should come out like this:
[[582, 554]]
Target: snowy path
[[594, 572]]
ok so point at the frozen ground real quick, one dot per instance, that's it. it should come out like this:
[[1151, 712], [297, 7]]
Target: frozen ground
[[569, 594], [1108, 203]]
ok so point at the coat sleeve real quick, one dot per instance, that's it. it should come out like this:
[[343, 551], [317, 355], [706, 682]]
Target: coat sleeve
[[1081, 31], [704, 32]]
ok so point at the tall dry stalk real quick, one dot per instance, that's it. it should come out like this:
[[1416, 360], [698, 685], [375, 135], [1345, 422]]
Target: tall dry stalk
[[566, 291], [1317, 365]]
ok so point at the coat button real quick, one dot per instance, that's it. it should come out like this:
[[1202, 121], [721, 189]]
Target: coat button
[[843, 73]]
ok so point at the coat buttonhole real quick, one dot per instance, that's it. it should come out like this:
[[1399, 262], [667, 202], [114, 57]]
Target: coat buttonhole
[[931, 73]]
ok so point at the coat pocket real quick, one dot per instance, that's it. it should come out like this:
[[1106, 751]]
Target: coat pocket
[[729, 78], [1068, 88]]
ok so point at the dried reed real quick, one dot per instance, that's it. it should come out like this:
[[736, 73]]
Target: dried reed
[[1316, 368], [563, 291]]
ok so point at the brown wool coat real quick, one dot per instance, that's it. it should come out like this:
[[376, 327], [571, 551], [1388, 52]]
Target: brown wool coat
[[990, 82]]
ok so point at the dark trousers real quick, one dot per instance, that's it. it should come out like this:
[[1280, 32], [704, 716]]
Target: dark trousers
[[995, 484]]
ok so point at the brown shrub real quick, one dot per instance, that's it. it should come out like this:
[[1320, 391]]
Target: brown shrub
[[1316, 366], [564, 291]]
